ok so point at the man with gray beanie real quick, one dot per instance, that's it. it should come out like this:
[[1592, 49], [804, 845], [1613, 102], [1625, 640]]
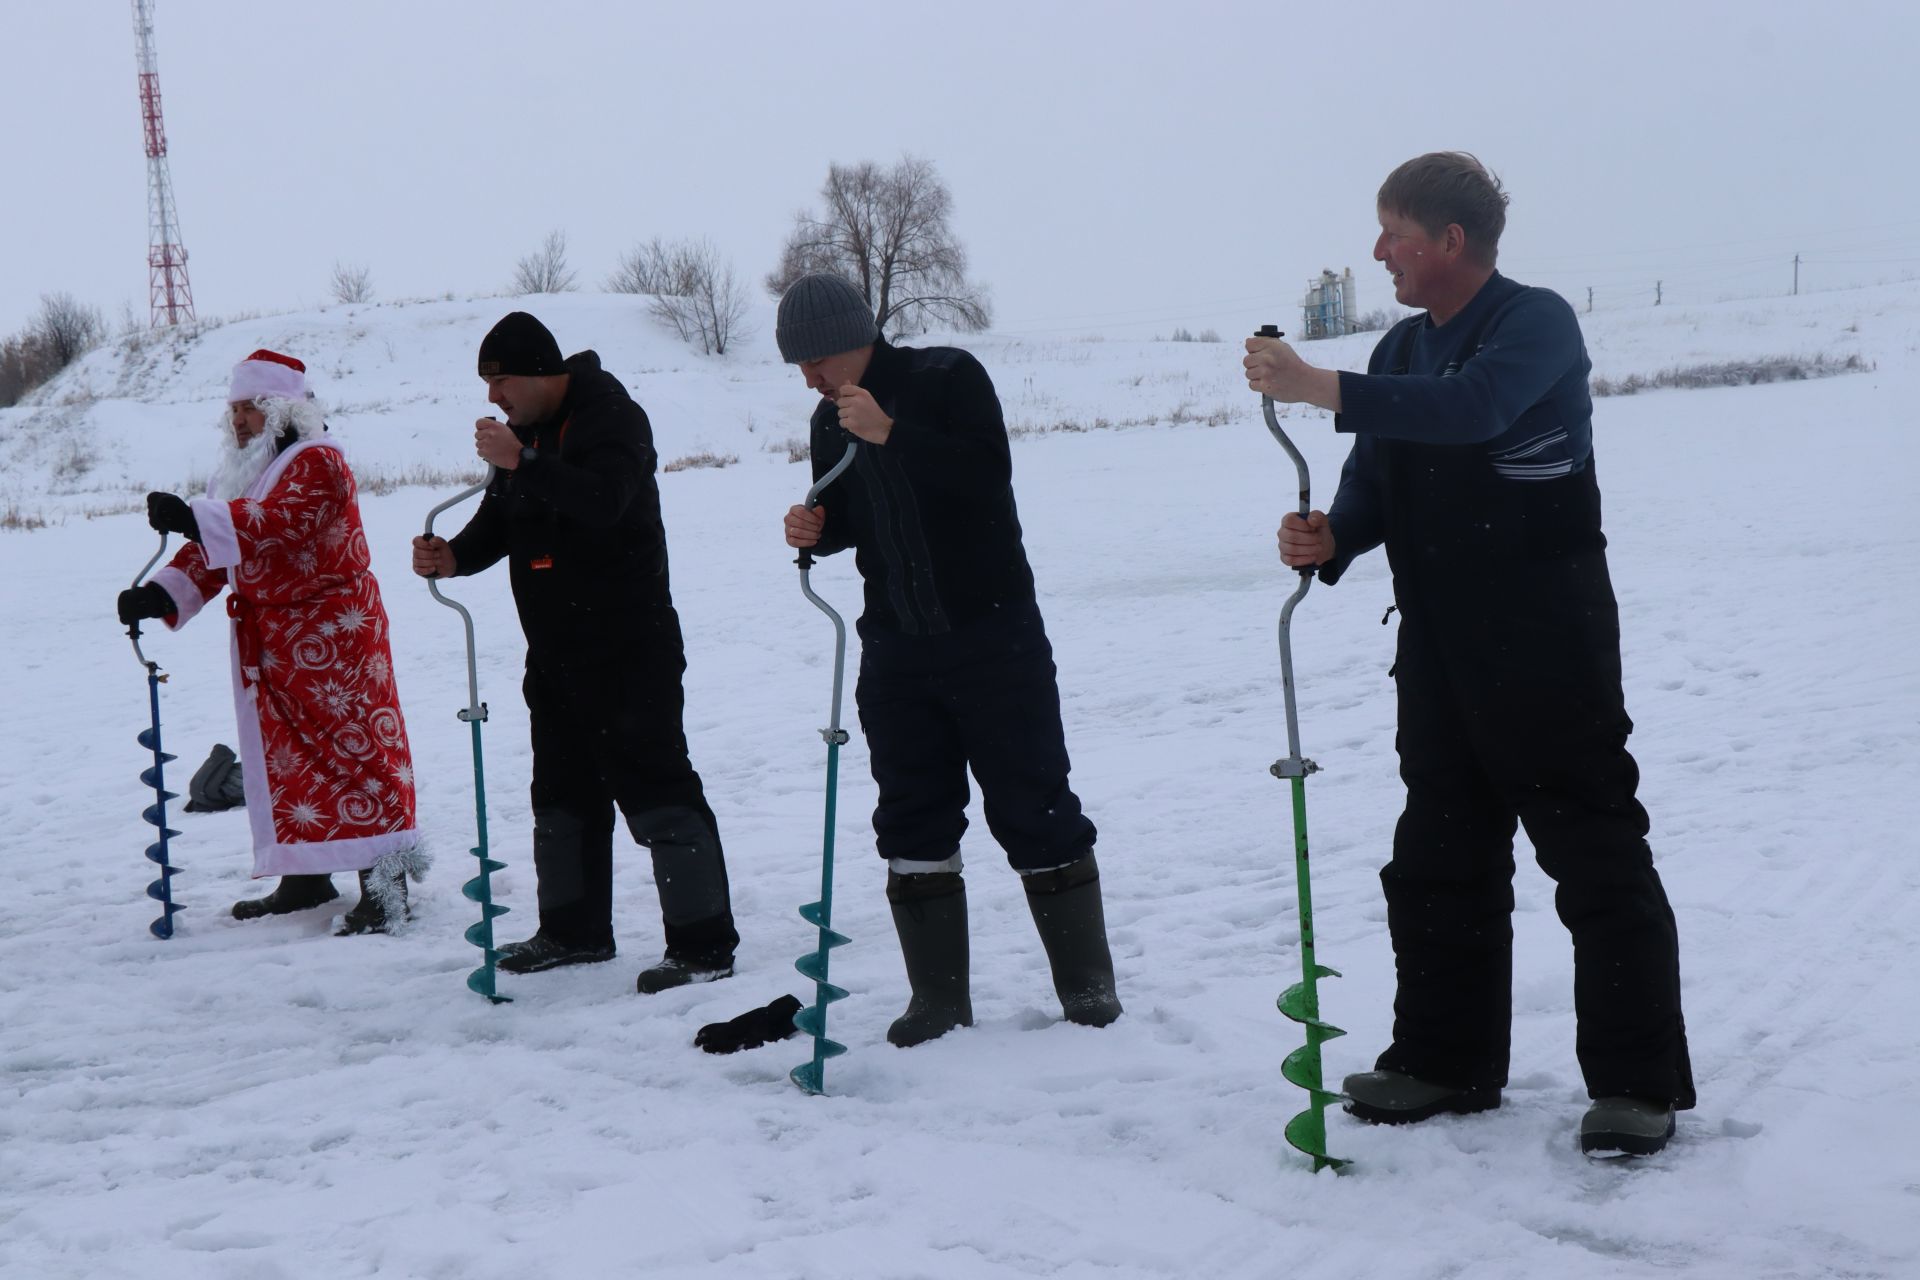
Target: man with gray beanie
[[574, 511], [955, 667]]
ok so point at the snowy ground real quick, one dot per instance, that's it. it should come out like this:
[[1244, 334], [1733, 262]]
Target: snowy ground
[[263, 1100]]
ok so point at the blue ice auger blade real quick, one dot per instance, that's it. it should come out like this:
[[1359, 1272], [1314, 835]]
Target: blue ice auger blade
[[479, 889], [812, 1019], [151, 775]]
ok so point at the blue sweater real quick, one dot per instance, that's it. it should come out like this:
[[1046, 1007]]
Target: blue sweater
[[1507, 378]]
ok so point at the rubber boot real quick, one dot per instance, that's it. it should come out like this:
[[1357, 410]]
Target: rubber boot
[[1073, 927], [293, 893], [930, 915]]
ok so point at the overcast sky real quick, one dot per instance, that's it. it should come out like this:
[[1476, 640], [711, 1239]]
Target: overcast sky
[[1123, 167]]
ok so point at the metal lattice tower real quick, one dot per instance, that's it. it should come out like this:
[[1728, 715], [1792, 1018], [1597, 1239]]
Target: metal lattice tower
[[169, 296]]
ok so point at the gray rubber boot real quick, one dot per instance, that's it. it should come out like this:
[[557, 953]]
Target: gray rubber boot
[[1073, 927], [930, 915], [1393, 1097], [1626, 1127]]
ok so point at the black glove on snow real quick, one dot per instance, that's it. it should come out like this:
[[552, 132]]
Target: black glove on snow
[[750, 1030], [170, 514], [150, 600]]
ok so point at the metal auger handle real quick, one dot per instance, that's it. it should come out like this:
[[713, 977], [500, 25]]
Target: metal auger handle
[[812, 1019], [133, 628], [478, 890], [1307, 1131], [474, 710]]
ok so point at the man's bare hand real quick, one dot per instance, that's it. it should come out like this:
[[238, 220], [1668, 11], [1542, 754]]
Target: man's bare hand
[[433, 558], [495, 442], [1275, 370], [804, 526], [1305, 542], [861, 414]]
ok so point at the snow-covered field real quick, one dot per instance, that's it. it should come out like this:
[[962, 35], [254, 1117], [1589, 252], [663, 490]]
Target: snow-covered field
[[263, 1100]]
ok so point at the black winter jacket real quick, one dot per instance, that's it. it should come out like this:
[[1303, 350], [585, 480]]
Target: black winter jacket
[[580, 529], [930, 514]]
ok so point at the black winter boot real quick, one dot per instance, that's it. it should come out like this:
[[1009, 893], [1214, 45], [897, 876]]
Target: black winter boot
[[383, 898], [690, 873], [930, 914], [1073, 927], [293, 893]]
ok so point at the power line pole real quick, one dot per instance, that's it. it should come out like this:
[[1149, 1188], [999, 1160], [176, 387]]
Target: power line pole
[[1796, 275], [1589, 299], [169, 296], [1656, 293]]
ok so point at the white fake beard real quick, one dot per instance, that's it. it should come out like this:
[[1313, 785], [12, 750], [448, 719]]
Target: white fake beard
[[241, 464]]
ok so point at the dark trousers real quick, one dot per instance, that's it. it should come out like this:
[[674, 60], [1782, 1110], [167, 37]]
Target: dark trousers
[[984, 696], [607, 736], [1512, 716]]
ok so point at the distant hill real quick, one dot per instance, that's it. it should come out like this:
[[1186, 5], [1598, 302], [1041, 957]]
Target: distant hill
[[398, 380]]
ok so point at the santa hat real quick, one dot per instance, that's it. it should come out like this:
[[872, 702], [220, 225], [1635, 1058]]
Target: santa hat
[[268, 373]]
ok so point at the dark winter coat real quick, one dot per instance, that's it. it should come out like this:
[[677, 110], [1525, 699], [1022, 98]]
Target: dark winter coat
[[1472, 439], [930, 514], [579, 527]]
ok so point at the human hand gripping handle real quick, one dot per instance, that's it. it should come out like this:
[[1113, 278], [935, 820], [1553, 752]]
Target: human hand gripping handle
[[1271, 335], [433, 557]]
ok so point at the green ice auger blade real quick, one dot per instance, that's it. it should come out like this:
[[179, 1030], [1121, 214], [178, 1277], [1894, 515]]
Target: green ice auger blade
[[1307, 1131]]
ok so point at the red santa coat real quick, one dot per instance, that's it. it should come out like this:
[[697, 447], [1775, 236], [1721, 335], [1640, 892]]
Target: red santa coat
[[329, 778]]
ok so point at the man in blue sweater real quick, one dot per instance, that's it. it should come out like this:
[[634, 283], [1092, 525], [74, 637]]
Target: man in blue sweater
[[1472, 464]]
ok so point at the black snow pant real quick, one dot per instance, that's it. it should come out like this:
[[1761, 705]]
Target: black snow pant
[[1511, 710], [607, 734], [984, 696]]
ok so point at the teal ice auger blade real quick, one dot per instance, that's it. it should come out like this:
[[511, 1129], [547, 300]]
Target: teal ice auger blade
[[155, 776], [478, 890], [1307, 1131], [812, 1019]]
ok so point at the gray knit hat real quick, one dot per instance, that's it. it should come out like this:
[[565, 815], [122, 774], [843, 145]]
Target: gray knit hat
[[822, 315]]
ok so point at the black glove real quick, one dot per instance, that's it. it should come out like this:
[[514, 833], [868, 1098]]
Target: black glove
[[170, 514], [149, 600], [750, 1030]]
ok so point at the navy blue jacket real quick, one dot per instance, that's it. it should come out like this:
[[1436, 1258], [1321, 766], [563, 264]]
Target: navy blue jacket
[[930, 514], [1497, 398]]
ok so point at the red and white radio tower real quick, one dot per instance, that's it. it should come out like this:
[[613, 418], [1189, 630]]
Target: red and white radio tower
[[168, 293]]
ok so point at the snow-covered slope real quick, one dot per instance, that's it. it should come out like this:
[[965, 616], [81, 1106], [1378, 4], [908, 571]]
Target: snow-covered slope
[[399, 382], [266, 1101]]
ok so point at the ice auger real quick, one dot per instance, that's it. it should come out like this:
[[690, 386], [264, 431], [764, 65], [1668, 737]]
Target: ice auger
[[1307, 1131], [812, 1019], [480, 888], [160, 890]]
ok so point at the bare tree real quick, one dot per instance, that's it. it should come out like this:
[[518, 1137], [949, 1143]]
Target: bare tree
[[694, 290], [887, 231], [545, 270], [24, 365], [67, 329], [645, 268], [351, 282]]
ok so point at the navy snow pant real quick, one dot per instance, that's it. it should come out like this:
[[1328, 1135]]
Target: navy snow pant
[[1511, 711], [984, 696], [606, 735]]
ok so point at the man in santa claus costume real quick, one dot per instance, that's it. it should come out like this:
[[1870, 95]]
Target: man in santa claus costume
[[329, 779]]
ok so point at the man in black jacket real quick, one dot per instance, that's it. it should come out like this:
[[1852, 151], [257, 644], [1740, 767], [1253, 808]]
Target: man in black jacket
[[955, 667], [574, 511], [1473, 463]]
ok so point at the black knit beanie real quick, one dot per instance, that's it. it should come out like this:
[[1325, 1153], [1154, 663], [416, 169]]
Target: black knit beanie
[[520, 346], [822, 315]]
